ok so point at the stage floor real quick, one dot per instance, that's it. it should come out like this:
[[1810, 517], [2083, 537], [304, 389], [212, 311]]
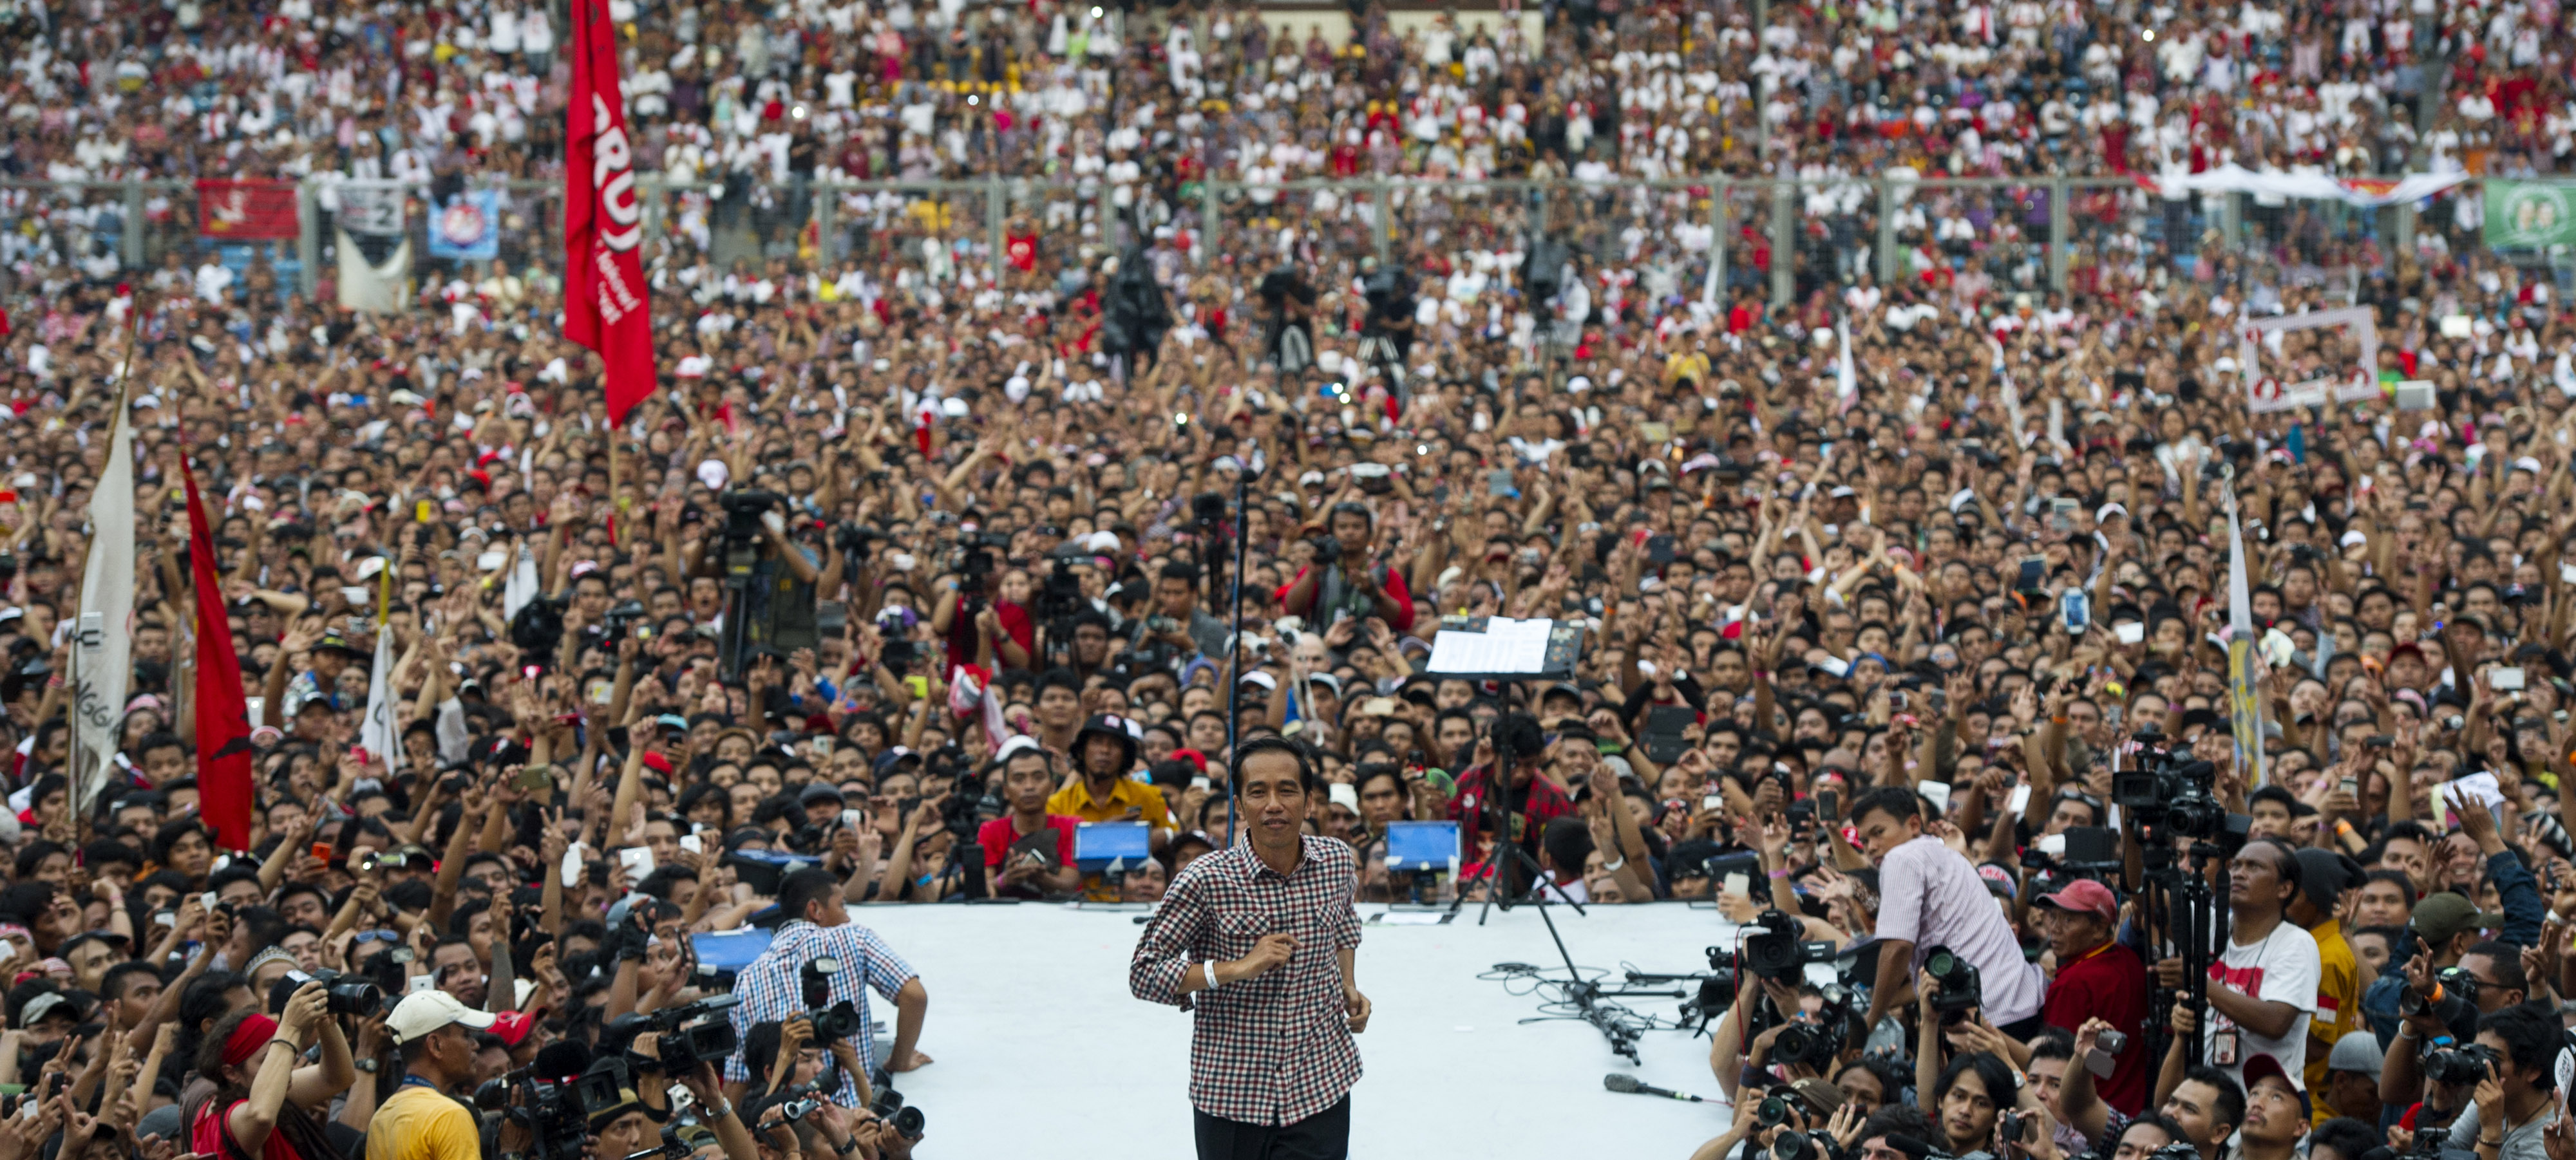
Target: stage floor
[[1040, 1048]]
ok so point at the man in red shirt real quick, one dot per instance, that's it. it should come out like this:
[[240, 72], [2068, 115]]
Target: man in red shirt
[[1346, 582], [2097, 978], [1022, 868]]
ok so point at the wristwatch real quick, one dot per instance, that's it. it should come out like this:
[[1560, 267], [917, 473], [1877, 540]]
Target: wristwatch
[[369, 1065]]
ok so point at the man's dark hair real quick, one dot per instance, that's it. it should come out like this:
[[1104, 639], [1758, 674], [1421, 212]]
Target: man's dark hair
[[1992, 1071], [111, 986], [1181, 570], [1894, 1119], [2157, 1120], [1896, 801], [1057, 678], [2229, 1108], [2507, 965], [1307, 779], [2052, 1043], [802, 887], [155, 742], [34, 855], [1568, 842], [2397, 876], [2531, 1038], [2350, 1138]]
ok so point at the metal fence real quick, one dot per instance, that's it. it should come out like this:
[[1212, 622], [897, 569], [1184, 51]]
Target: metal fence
[[1782, 241]]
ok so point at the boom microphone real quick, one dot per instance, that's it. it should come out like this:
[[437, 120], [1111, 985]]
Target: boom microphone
[[562, 1059], [1627, 1084]]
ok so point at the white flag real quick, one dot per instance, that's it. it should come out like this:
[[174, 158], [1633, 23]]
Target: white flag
[[381, 732], [1846, 382], [520, 586], [106, 638]]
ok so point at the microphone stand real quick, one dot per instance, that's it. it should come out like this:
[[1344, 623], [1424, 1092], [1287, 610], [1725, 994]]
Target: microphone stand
[[1234, 642]]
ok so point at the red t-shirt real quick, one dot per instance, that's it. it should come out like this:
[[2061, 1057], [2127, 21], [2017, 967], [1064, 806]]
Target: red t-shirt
[[1396, 592], [2105, 984], [997, 835], [208, 1136]]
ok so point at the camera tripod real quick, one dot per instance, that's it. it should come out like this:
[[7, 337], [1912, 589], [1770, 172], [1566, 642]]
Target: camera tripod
[[2175, 895]]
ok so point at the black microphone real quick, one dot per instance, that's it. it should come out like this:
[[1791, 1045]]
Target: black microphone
[[562, 1059], [1911, 1146], [1628, 1084]]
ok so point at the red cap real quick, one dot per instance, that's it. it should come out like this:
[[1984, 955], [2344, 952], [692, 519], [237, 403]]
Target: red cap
[[513, 1026], [1192, 756], [658, 764], [2084, 895]]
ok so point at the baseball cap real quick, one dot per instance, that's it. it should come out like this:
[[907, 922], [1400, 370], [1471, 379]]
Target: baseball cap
[[2260, 1067], [2440, 917], [423, 1013], [2085, 896], [2359, 1053]]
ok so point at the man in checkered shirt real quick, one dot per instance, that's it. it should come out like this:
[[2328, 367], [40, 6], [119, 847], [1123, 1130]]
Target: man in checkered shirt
[[1258, 940], [772, 988]]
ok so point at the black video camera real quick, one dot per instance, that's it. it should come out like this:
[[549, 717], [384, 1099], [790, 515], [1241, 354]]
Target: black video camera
[[621, 617], [1773, 950], [685, 1043], [2172, 794], [743, 508]]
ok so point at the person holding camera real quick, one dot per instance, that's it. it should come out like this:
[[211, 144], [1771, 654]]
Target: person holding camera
[[1930, 896], [1029, 854], [2096, 981], [2263, 990], [1340, 582], [263, 1104], [425, 1119], [772, 987], [2514, 1105], [1178, 630]]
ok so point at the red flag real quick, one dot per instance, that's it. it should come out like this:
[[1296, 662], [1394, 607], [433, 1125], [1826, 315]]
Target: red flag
[[605, 295], [223, 718], [252, 209]]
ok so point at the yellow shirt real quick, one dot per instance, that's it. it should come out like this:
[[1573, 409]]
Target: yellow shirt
[[1126, 793], [2338, 1007], [418, 1123]]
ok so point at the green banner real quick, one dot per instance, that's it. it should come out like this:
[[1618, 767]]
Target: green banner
[[2530, 214]]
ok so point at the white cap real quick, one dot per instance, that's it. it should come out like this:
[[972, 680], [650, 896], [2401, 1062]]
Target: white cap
[[422, 1013], [1262, 679], [1015, 744], [713, 473]]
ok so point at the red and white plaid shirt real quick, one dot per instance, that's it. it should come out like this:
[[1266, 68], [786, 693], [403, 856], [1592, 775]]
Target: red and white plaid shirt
[[1276, 1049]]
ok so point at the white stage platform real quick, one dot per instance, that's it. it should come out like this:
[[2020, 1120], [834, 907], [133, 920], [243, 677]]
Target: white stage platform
[[1039, 1048]]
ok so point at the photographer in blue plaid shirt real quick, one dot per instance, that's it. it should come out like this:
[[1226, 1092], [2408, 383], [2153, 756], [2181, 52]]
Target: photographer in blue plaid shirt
[[772, 987], [1258, 940]]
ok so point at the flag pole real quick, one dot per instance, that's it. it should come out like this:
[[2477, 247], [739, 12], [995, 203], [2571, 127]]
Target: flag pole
[[616, 496]]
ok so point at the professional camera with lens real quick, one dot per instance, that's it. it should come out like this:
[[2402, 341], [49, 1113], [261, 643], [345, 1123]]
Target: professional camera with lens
[[685, 1041], [832, 1021], [346, 995], [888, 1104], [853, 539], [2464, 1064], [1960, 986], [621, 617], [743, 508], [2168, 792], [1773, 950], [1817, 1044], [1328, 550]]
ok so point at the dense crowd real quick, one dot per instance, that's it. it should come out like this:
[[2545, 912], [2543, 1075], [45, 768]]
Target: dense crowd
[[904, 576]]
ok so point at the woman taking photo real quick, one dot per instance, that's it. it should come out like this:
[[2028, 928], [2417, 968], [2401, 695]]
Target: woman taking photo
[[264, 1107]]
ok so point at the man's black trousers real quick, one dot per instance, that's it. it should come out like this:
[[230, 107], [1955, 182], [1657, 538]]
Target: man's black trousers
[[1326, 1135]]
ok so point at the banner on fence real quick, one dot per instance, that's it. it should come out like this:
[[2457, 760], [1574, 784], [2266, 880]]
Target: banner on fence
[[375, 287], [2526, 215], [374, 210], [2334, 381], [2362, 191], [468, 227], [246, 210]]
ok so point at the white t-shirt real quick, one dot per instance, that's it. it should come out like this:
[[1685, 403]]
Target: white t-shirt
[[2280, 967]]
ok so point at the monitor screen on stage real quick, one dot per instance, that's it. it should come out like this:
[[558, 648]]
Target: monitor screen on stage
[[1102, 841], [1410, 845]]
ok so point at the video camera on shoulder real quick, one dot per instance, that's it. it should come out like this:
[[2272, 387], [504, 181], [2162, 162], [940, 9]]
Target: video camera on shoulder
[[684, 1043], [2169, 793]]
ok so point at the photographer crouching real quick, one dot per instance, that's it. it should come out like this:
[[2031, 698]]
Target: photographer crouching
[[821, 966]]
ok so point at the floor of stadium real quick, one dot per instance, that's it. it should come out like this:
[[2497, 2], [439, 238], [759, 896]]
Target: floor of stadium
[[1037, 1040]]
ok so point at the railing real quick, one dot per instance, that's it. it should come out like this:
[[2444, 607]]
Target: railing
[[1781, 240]]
